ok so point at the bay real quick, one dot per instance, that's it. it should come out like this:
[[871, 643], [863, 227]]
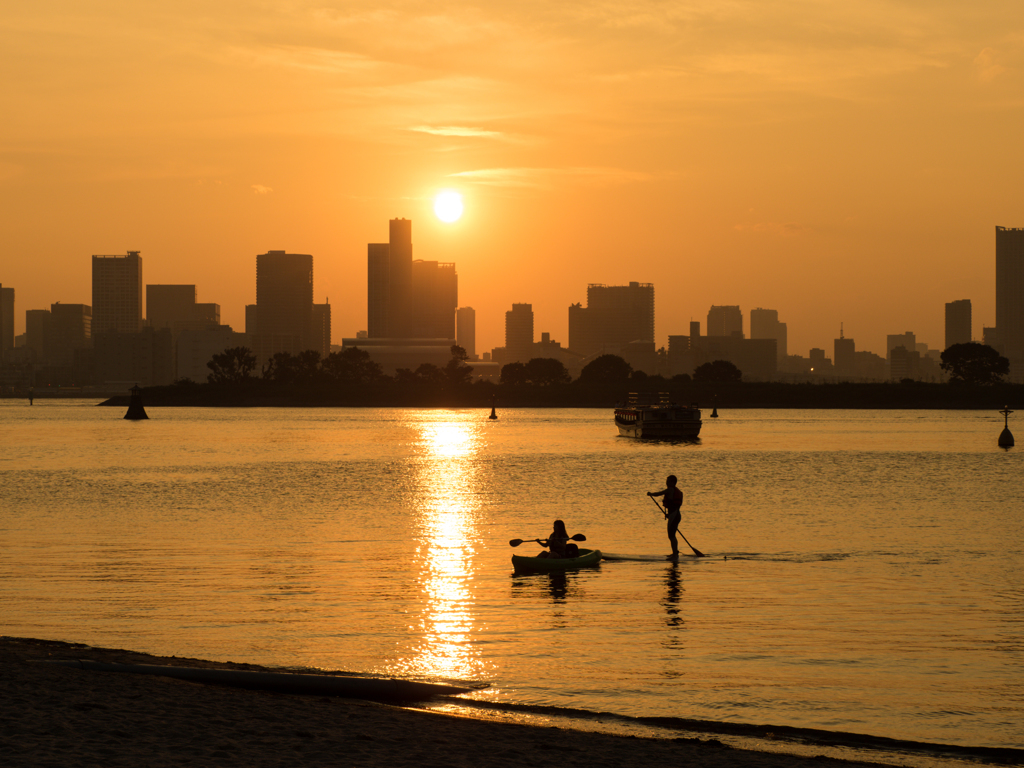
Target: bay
[[863, 571]]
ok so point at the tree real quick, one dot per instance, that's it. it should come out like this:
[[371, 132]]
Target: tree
[[974, 363], [606, 369], [456, 371], [232, 366], [717, 371], [546, 372], [513, 374], [353, 366]]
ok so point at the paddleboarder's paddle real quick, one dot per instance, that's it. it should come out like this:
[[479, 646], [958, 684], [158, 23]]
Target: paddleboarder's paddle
[[517, 542], [696, 551]]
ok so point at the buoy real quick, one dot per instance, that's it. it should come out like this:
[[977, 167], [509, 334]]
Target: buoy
[[494, 414], [135, 410], [1006, 437], [714, 413]]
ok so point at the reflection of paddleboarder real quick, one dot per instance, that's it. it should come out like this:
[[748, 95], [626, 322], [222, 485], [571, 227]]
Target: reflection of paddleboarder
[[673, 502]]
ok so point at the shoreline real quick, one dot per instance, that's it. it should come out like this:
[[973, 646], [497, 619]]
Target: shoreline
[[54, 714]]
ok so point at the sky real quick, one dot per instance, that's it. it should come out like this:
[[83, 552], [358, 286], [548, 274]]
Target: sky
[[842, 163]]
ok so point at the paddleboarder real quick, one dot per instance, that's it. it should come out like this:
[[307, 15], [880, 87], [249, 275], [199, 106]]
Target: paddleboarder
[[673, 504]]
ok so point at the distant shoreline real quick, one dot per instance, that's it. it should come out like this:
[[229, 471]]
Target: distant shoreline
[[876, 396]]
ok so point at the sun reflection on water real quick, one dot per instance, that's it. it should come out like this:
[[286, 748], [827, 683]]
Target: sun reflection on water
[[447, 516]]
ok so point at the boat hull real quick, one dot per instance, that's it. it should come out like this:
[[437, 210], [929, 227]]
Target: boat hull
[[587, 557], [657, 425]]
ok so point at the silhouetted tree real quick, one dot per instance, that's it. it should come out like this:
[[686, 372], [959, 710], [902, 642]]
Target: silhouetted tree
[[232, 366], [606, 369], [974, 363], [352, 366], [717, 371], [513, 374], [456, 371], [545, 372]]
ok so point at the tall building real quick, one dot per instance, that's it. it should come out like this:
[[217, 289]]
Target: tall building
[[169, 304], [435, 297], [764, 324], [1010, 296], [389, 283], [519, 334], [71, 330], [958, 322], [117, 293], [38, 334], [465, 330], [725, 321], [284, 303], [615, 315], [6, 322], [320, 333], [844, 355]]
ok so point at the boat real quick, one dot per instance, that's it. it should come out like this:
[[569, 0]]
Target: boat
[[526, 563], [656, 417]]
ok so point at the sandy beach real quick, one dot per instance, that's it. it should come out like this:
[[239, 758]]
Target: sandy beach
[[52, 715]]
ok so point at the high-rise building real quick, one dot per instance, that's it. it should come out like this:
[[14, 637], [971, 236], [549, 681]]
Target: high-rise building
[[117, 293], [284, 302], [958, 322], [519, 334], [6, 322], [725, 321], [1010, 296], [389, 283], [39, 333], [321, 329], [465, 330], [764, 324], [615, 315], [844, 354], [435, 297], [169, 304], [71, 330], [907, 340]]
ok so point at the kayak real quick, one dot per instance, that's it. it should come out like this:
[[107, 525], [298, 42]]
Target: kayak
[[586, 557]]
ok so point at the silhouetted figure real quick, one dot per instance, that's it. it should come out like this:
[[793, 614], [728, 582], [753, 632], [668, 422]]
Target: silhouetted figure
[[31, 396], [1006, 437], [673, 505], [557, 542], [135, 410]]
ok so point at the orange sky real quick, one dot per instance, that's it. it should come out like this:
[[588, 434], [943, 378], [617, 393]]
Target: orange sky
[[838, 162]]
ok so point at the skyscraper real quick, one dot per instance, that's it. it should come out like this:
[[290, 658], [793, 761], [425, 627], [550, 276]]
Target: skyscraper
[[725, 321], [284, 303], [844, 356], [6, 322], [389, 283], [519, 334], [1010, 295], [465, 330], [435, 297], [958, 322], [117, 293], [764, 324], [615, 315]]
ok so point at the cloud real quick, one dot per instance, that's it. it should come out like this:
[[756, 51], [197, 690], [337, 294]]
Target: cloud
[[771, 228], [986, 66], [259, 189], [455, 130], [538, 177]]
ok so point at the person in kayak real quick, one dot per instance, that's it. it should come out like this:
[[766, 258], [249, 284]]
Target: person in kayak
[[673, 504], [556, 542]]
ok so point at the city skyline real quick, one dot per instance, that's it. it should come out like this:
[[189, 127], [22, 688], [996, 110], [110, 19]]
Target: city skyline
[[840, 165], [705, 322]]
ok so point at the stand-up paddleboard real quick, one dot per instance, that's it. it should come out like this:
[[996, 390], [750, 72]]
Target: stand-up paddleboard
[[648, 558]]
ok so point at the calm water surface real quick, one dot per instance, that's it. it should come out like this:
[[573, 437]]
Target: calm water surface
[[864, 569]]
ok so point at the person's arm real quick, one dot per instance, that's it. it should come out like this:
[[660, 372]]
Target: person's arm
[[659, 493]]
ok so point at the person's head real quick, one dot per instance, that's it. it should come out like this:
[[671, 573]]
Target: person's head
[[671, 481], [560, 528]]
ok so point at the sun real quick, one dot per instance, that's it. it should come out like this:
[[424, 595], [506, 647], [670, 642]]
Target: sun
[[448, 205]]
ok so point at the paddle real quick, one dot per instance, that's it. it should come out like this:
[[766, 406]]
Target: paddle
[[517, 542], [696, 551]]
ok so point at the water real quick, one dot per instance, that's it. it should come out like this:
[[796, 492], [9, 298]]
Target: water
[[864, 568]]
